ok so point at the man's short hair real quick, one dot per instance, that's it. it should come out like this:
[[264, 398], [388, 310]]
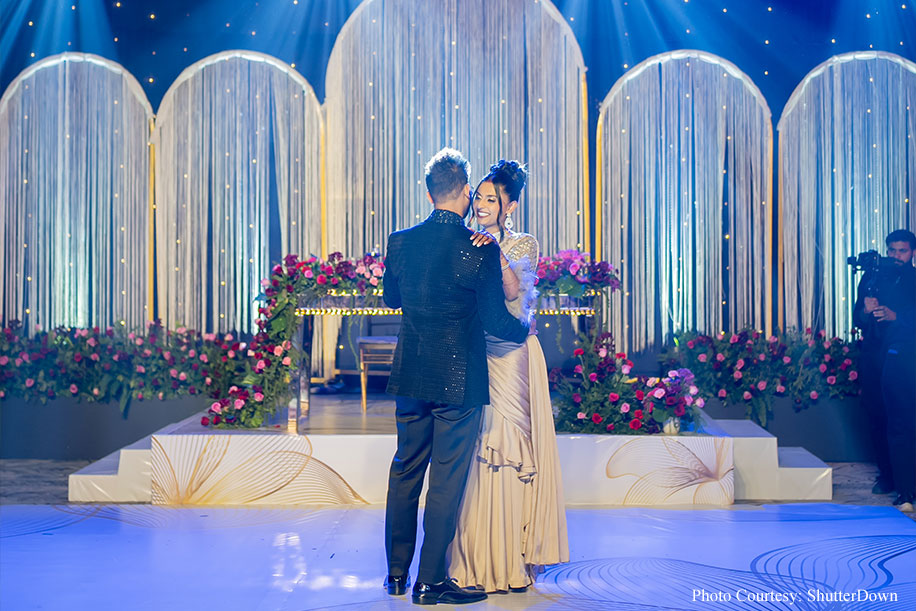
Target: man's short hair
[[901, 235], [446, 174]]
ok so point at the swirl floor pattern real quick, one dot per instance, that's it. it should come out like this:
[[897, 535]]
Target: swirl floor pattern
[[774, 557]]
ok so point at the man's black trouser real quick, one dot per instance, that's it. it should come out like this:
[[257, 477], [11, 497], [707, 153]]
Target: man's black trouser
[[872, 401], [442, 437], [899, 384]]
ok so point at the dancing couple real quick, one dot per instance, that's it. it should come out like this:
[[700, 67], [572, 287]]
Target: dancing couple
[[472, 398]]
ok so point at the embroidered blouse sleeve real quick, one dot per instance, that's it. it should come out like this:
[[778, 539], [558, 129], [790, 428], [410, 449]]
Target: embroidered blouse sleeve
[[523, 259]]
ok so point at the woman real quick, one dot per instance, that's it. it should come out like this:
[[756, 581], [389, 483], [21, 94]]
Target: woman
[[512, 519]]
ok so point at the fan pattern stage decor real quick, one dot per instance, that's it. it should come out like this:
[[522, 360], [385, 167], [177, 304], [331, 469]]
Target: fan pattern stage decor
[[238, 186], [75, 180], [847, 145], [684, 165], [494, 79]]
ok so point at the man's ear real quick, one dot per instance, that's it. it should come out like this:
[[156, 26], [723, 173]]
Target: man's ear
[[467, 191], [430, 198]]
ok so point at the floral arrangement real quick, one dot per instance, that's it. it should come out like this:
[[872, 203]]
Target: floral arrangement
[[570, 272], [104, 365], [600, 396], [750, 369]]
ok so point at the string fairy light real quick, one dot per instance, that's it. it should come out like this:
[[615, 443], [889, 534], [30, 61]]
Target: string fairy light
[[861, 139], [373, 102], [672, 111]]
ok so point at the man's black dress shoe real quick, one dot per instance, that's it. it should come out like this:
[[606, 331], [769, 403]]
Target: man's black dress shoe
[[397, 586], [900, 500], [446, 592], [882, 485]]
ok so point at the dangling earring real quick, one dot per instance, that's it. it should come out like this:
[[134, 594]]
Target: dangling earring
[[509, 224]]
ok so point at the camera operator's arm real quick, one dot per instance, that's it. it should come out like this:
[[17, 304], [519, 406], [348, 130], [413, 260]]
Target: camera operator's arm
[[864, 306]]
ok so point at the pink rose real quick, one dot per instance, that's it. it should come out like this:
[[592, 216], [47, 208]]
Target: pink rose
[[261, 364], [173, 373], [161, 395], [287, 361], [822, 368], [208, 381], [733, 339], [624, 408], [690, 344], [702, 357], [29, 382], [701, 402], [625, 370], [139, 341], [74, 389], [722, 394], [658, 393], [581, 416], [93, 342], [373, 281], [786, 360], [182, 376], [192, 353], [239, 404], [19, 362], [813, 395], [761, 385], [853, 375], [140, 396], [761, 357], [602, 353], [258, 396], [780, 388], [231, 354], [141, 369], [693, 390], [308, 274], [746, 395], [216, 408], [738, 375], [204, 358], [739, 364], [577, 369], [95, 392], [831, 380], [94, 357], [4, 360], [826, 358], [278, 350], [720, 357], [167, 355], [811, 343]]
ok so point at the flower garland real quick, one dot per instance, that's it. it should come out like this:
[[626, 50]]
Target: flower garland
[[750, 369]]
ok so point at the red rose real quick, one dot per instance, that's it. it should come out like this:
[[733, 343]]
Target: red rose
[[635, 423], [613, 397], [680, 410], [321, 279], [637, 413], [610, 427], [577, 397], [597, 419], [216, 419], [204, 421], [640, 395], [578, 351]]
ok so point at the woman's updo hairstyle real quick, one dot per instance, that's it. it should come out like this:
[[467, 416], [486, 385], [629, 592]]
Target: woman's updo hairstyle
[[512, 176], [509, 177]]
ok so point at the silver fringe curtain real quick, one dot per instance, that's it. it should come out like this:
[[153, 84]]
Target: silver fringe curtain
[[238, 185], [492, 78], [685, 177], [74, 195], [847, 166]]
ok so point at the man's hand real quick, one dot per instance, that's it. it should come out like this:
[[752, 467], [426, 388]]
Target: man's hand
[[885, 314], [479, 238], [533, 329], [870, 304]]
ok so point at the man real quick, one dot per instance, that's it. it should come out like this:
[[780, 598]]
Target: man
[[889, 366], [450, 292]]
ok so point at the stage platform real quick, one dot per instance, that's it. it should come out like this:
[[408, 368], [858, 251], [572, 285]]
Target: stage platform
[[341, 455], [638, 559]]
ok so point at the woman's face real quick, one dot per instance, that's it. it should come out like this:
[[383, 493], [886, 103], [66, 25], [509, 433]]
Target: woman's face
[[486, 207]]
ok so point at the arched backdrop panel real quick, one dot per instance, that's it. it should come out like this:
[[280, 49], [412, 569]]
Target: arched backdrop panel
[[684, 164], [74, 195], [492, 78], [238, 186], [847, 168]]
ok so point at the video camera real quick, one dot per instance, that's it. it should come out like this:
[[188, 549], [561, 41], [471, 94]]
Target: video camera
[[875, 267]]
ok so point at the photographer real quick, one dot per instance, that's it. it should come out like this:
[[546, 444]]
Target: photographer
[[884, 311]]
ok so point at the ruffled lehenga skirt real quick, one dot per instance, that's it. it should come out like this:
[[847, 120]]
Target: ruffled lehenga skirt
[[512, 520]]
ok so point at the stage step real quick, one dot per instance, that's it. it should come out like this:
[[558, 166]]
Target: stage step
[[802, 475], [124, 476]]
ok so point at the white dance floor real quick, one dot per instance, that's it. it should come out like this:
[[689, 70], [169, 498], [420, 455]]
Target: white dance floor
[[153, 557]]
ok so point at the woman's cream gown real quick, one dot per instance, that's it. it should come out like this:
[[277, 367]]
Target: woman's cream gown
[[512, 520]]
